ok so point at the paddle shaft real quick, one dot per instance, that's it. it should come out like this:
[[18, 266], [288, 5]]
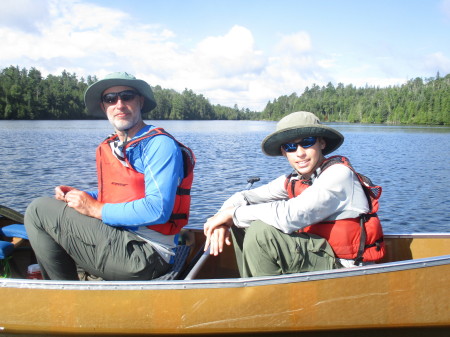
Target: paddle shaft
[[201, 261]]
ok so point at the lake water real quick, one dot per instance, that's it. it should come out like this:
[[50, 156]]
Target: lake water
[[410, 163]]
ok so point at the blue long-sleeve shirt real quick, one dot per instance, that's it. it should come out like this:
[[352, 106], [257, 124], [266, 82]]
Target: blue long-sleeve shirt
[[159, 158]]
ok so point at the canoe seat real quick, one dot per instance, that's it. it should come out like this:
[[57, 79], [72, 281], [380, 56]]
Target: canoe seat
[[180, 259], [6, 249], [16, 232]]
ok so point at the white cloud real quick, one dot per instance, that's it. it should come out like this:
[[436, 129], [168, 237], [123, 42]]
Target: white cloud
[[437, 62], [221, 67], [297, 43], [24, 15], [231, 54], [232, 70], [88, 39], [79, 35], [293, 65], [91, 40]]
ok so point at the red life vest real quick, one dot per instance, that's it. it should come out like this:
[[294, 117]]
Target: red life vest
[[118, 183], [359, 238]]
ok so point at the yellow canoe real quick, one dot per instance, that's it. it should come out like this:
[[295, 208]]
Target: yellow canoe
[[407, 293]]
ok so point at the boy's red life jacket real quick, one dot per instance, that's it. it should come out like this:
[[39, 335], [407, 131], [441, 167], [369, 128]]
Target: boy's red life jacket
[[358, 238], [118, 183]]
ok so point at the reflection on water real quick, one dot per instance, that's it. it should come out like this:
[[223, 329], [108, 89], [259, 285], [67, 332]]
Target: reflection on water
[[410, 163]]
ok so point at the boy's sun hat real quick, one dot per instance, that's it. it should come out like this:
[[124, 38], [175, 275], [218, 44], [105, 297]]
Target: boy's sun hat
[[298, 125]]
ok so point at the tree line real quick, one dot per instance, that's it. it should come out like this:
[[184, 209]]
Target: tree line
[[26, 94], [418, 101]]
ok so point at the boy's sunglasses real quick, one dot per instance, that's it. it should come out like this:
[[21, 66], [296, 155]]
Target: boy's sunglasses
[[304, 143], [126, 95]]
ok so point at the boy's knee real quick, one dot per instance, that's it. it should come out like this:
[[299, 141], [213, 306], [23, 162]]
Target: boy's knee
[[258, 234]]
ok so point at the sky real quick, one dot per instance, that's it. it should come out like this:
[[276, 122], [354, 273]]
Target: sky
[[244, 52]]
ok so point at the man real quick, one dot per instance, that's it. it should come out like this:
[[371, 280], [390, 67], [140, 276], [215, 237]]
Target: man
[[127, 230], [316, 218]]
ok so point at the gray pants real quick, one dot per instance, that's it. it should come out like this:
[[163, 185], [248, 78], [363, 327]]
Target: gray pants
[[263, 250], [64, 239]]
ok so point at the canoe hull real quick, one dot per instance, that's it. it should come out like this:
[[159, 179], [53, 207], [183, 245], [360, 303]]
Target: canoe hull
[[394, 295], [409, 291]]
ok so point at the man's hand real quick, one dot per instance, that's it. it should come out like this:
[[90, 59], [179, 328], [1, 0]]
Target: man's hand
[[61, 191], [217, 231], [84, 203]]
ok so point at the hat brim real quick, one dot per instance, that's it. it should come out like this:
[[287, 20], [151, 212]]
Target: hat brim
[[271, 145], [93, 95]]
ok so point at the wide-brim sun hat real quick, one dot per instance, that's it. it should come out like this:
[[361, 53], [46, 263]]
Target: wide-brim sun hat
[[93, 94], [298, 125]]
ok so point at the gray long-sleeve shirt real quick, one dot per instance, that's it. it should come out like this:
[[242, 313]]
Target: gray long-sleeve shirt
[[335, 194]]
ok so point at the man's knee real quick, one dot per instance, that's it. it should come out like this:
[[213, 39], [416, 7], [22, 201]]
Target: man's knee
[[35, 207], [38, 211], [37, 204]]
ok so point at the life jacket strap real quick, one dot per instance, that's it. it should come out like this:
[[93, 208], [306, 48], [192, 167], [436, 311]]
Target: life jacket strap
[[178, 216], [183, 191], [363, 218], [376, 244]]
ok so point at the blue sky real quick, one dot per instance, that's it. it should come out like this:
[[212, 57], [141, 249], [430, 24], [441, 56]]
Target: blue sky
[[243, 52]]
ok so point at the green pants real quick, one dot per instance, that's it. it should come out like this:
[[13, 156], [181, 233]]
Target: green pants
[[64, 240], [263, 250]]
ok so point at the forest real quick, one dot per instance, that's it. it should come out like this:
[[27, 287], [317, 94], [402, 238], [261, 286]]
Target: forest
[[26, 94], [419, 101]]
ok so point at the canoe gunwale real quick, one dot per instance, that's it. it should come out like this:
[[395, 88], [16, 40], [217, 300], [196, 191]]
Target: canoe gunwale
[[416, 235], [228, 283]]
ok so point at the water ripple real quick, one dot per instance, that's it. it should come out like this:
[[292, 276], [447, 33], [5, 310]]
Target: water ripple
[[410, 163]]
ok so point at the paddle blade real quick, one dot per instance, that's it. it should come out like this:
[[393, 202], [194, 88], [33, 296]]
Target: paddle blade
[[11, 214]]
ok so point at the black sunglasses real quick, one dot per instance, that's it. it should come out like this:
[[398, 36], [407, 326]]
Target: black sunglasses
[[304, 143], [125, 96]]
